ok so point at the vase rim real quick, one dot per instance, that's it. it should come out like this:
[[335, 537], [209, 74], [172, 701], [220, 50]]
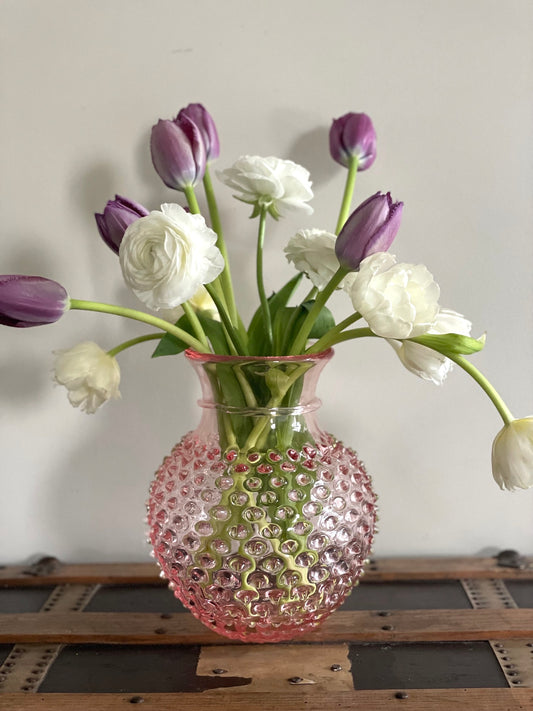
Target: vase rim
[[193, 355]]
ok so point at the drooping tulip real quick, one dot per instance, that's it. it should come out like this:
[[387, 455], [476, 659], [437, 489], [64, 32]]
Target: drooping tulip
[[199, 115], [178, 152], [30, 300], [512, 455], [371, 228], [425, 362], [118, 214], [353, 135]]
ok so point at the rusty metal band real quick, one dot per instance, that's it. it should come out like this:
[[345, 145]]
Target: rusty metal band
[[26, 666], [515, 656]]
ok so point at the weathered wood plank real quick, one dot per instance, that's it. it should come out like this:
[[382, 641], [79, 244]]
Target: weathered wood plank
[[416, 700], [379, 570], [151, 628]]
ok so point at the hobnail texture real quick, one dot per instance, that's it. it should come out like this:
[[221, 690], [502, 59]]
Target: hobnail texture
[[261, 545]]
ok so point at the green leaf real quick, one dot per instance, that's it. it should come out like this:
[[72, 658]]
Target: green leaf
[[169, 344], [324, 322], [278, 300], [214, 330], [289, 320], [450, 343]]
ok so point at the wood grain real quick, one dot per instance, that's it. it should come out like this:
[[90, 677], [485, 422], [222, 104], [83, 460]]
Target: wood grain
[[417, 700], [181, 628], [379, 570]]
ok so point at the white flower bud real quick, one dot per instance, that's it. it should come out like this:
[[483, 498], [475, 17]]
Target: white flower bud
[[91, 375]]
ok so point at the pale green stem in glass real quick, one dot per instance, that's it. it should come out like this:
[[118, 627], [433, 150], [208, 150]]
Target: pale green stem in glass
[[225, 277], [233, 333], [267, 318], [191, 200], [192, 342], [329, 338], [274, 402], [133, 342], [246, 388], [299, 342], [348, 193], [195, 323]]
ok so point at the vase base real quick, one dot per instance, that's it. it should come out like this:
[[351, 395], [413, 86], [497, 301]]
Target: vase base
[[262, 546]]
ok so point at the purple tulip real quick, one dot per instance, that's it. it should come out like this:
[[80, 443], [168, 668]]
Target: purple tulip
[[30, 300], [371, 228], [118, 214], [204, 121], [353, 135], [178, 152]]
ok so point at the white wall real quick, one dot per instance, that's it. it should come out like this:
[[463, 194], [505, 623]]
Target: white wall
[[449, 85]]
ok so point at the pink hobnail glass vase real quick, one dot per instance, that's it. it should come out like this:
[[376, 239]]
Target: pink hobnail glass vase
[[261, 521]]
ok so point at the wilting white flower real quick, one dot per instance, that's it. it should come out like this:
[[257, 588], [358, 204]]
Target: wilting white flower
[[90, 375], [280, 185], [425, 362], [512, 455], [313, 252], [397, 300], [201, 301], [167, 255]]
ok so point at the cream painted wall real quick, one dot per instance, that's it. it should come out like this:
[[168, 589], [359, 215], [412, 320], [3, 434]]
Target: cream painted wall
[[449, 85]]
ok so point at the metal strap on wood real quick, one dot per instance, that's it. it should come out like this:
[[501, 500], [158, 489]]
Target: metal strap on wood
[[27, 664], [515, 656]]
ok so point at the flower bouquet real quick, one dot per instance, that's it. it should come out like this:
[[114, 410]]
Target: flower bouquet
[[260, 520]]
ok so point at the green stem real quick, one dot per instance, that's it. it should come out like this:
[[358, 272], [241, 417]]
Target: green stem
[[195, 323], [233, 333], [274, 402], [329, 338], [461, 361], [246, 388], [191, 200], [484, 383], [225, 277], [348, 193], [133, 342], [192, 342], [267, 318], [298, 345]]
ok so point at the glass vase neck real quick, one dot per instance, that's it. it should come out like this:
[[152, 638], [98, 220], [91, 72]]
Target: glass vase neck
[[258, 402]]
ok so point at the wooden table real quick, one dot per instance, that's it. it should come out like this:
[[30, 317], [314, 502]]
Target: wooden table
[[417, 634]]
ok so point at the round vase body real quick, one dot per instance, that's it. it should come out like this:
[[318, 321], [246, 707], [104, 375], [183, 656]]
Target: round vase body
[[261, 521]]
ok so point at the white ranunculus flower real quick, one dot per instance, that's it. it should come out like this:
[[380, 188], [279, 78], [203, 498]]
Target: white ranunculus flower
[[201, 301], [90, 375], [281, 185], [167, 255], [425, 362], [313, 252], [512, 455], [397, 300]]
